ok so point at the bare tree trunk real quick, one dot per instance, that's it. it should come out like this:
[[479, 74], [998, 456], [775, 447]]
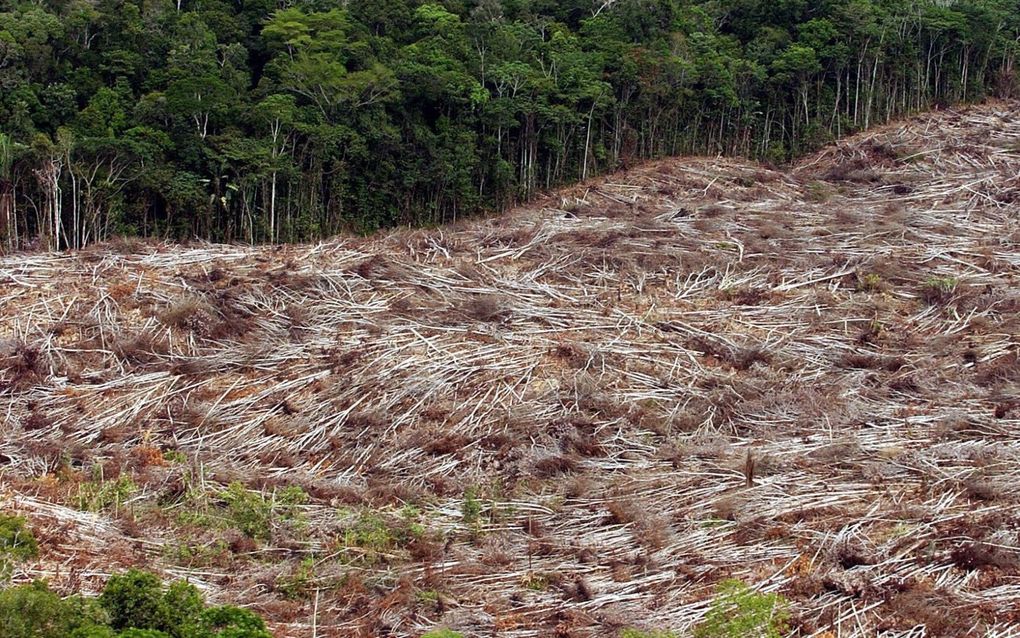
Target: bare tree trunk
[[272, 211], [587, 143], [48, 177], [6, 218]]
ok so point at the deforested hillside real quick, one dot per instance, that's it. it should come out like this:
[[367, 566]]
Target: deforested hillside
[[577, 419]]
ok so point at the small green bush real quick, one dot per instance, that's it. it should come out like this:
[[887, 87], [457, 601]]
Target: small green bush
[[174, 456], [16, 544], [870, 282], [286, 506], [16, 541], [299, 583], [938, 290], [33, 611], [818, 192], [741, 612], [183, 606], [255, 515], [471, 509], [369, 535], [99, 495], [250, 511]]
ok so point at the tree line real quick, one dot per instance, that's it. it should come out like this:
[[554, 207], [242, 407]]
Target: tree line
[[289, 120]]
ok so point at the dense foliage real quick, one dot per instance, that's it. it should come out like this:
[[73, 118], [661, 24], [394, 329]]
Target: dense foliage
[[16, 544], [267, 121], [133, 605], [16, 540]]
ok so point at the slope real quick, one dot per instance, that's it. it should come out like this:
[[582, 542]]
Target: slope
[[575, 418]]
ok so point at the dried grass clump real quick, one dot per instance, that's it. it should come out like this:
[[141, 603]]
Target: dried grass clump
[[870, 361], [840, 454], [998, 371], [983, 555], [729, 508], [746, 358], [554, 465], [738, 357], [190, 312], [444, 443], [748, 296], [21, 364], [939, 612], [37, 420], [140, 348], [853, 554], [981, 489], [378, 267], [859, 171], [485, 308], [649, 531], [126, 245]]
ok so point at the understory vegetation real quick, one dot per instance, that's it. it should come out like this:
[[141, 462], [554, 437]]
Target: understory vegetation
[[737, 612], [16, 544], [251, 122], [134, 604]]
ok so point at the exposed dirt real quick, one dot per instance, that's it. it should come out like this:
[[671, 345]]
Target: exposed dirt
[[697, 370]]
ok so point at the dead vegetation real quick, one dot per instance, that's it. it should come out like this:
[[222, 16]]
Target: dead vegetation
[[566, 421]]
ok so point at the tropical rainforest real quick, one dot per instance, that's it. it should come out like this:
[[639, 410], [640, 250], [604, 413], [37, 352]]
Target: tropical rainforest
[[292, 120]]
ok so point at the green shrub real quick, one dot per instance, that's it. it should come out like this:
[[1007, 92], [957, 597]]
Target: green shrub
[[133, 605], [818, 192], [869, 282], [471, 509], [233, 622], [371, 533], [174, 456], [937, 290], [135, 600], [535, 582], [741, 612], [374, 534], [33, 611], [16, 544], [183, 607], [16, 540], [99, 495], [197, 554], [298, 584], [250, 512], [286, 507]]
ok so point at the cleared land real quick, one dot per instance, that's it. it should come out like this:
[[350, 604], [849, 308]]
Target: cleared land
[[568, 396]]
